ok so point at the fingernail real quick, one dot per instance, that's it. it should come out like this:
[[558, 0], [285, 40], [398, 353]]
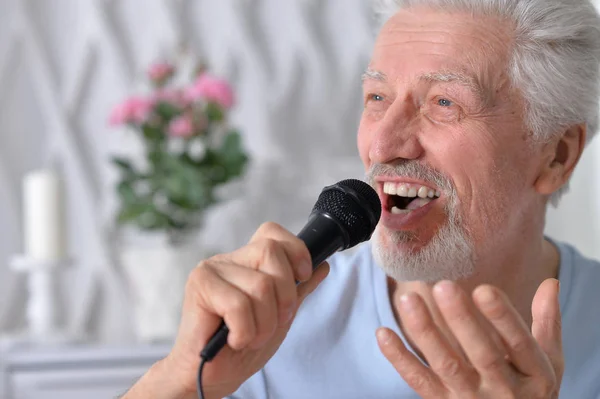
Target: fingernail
[[285, 317], [486, 295], [304, 270], [408, 302], [290, 313], [384, 336], [289, 316], [445, 289], [286, 314]]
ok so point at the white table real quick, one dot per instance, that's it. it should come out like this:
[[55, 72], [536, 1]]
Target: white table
[[74, 372]]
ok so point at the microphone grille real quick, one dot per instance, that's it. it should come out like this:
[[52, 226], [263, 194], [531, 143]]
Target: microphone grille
[[355, 205]]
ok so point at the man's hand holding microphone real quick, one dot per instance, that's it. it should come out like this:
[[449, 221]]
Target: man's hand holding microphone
[[256, 290]]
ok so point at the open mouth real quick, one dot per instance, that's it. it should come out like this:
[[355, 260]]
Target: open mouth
[[402, 198]]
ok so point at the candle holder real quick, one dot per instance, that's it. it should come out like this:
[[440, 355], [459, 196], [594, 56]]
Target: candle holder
[[43, 301]]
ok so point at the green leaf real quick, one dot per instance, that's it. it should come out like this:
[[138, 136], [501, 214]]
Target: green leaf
[[153, 133], [233, 156], [214, 112], [179, 224], [130, 212], [127, 192], [200, 194], [152, 219], [156, 157], [167, 111], [187, 187], [124, 165], [175, 186], [232, 142]]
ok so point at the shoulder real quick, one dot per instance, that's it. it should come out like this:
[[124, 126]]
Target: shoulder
[[579, 297], [580, 306], [579, 277]]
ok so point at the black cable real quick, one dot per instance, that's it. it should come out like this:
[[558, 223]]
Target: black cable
[[199, 382]]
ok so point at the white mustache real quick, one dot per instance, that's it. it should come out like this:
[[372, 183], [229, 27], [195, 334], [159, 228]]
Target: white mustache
[[413, 170]]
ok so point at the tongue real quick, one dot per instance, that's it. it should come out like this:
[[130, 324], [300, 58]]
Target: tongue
[[417, 203]]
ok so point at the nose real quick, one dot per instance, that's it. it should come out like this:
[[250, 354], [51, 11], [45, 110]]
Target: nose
[[395, 137]]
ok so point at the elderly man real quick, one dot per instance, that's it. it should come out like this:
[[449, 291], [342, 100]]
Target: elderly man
[[476, 113]]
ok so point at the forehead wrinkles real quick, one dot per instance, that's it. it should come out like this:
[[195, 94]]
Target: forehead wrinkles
[[488, 30], [479, 45]]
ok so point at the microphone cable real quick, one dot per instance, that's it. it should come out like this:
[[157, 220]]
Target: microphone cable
[[199, 381]]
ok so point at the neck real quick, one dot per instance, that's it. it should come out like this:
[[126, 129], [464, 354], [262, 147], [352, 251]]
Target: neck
[[518, 274]]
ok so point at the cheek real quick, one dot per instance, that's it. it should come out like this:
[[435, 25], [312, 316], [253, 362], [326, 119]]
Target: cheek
[[363, 143], [489, 183], [470, 163]]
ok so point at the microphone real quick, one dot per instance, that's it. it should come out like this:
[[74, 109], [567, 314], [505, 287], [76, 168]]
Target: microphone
[[344, 215]]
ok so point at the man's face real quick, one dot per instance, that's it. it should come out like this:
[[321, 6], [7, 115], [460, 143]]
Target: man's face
[[441, 119]]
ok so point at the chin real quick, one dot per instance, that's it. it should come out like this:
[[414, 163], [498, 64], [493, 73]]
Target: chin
[[405, 256], [403, 242]]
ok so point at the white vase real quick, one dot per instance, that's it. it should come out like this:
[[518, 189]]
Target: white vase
[[156, 269]]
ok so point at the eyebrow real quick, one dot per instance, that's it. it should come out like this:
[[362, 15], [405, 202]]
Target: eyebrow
[[463, 79], [371, 74]]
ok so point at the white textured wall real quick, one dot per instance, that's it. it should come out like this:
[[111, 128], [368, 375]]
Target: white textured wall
[[296, 66]]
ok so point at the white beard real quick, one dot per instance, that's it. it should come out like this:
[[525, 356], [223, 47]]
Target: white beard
[[448, 256]]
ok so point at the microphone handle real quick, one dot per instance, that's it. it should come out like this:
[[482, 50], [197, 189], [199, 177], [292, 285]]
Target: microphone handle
[[216, 342], [323, 236]]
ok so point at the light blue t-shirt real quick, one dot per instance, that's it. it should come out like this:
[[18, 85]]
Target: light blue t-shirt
[[331, 351]]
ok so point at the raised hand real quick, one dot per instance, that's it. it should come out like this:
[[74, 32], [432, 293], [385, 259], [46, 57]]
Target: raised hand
[[506, 361]]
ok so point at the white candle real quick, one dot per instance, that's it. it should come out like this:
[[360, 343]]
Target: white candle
[[44, 216]]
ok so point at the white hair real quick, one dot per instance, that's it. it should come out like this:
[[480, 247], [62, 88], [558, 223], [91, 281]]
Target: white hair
[[555, 60]]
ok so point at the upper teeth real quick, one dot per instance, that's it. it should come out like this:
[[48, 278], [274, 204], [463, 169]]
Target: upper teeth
[[409, 190]]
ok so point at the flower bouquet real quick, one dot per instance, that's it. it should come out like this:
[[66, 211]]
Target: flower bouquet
[[189, 150]]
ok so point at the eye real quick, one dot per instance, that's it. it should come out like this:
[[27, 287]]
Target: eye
[[375, 102], [440, 109], [445, 103]]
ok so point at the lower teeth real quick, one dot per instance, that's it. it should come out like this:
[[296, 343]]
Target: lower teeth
[[414, 204], [418, 203], [398, 211]]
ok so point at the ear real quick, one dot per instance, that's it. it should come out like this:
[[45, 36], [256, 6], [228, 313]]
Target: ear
[[560, 157]]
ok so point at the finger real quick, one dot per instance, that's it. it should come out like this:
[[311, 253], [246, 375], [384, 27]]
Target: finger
[[476, 342], [269, 257], [524, 352], [220, 298], [295, 248], [260, 287], [311, 285], [415, 373], [443, 360], [547, 327], [304, 290]]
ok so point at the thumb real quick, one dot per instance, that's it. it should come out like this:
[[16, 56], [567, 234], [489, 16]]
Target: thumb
[[547, 326]]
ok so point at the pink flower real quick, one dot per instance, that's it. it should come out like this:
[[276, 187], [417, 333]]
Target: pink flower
[[182, 126], [210, 88], [133, 110], [160, 72]]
